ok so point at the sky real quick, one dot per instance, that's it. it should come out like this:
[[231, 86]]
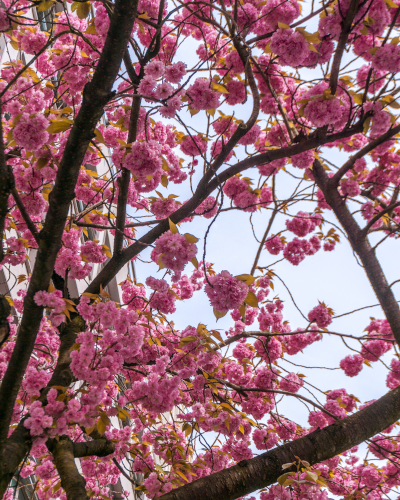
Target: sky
[[335, 277]]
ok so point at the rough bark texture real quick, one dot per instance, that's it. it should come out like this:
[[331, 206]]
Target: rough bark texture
[[72, 482], [99, 447], [6, 185]]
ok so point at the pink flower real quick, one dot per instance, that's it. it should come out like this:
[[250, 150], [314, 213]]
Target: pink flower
[[371, 476], [208, 208], [154, 69], [291, 47], [163, 91], [164, 208], [350, 187], [291, 383], [265, 440], [226, 292], [193, 145], [303, 224], [5, 23], [321, 315], [146, 86], [264, 378], [201, 96], [372, 350], [144, 158], [352, 365], [296, 251], [274, 245], [387, 58], [237, 92], [93, 252], [173, 251], [303, 160], [175, 72], [30, 131]]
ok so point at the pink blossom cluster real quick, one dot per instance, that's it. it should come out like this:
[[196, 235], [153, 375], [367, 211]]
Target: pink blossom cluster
[[303, 224], [321, 315], [144, 159], [173, 251], [297, 249], [290, 46], [202, 96], [239, 190], [225, 291], [208, 208], [53, 300]]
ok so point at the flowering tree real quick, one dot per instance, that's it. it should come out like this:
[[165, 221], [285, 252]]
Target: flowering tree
[[105, 84]]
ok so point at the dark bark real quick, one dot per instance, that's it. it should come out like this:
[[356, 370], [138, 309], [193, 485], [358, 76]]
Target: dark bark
[[6, 185], [72, 482], [124, 180], [98, 447], [250, 475], [28, 221], [5, 311], [62, 375], [360, 244], [207, 185], [344, 35], [95, 96]]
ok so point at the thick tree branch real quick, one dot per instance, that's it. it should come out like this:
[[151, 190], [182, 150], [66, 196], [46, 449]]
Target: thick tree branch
[[6, 185], [72, 482], [344, 35], [97, 447], [250, 475], [124, 180], [206, 186], [95, 96], [360, 244]]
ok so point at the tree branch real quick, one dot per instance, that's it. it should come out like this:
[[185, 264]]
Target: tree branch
[[72, 482], [124, 180], [250, 475], [97, 447], [344, 35], [204, 189], [360, 244], [95, 96], [360, 154], [6, 185], [25, 215]]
